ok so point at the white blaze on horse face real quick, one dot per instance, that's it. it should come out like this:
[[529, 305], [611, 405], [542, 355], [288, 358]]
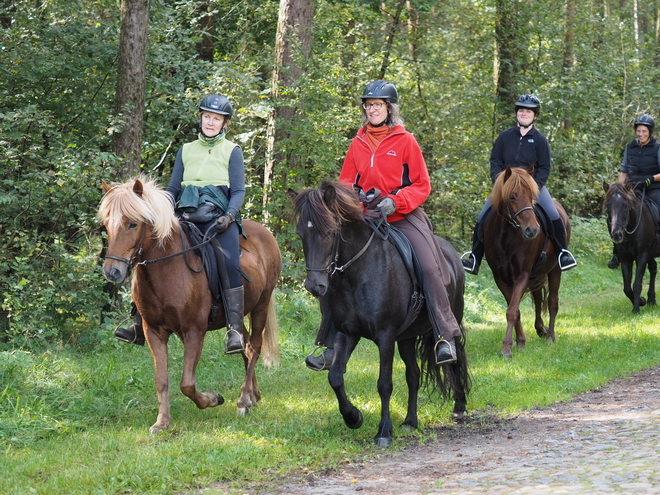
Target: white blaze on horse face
[[310, 225]]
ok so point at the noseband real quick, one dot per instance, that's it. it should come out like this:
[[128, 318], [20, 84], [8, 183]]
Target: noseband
[[511, 217]]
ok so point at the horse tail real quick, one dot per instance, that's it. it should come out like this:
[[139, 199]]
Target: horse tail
[[449, 380], [270, 347]]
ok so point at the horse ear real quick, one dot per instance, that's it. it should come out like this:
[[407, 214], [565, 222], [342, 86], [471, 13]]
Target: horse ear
[[292, 194], [507, 174], [138, 188], [606, 186], [329, 194], [106, 187]]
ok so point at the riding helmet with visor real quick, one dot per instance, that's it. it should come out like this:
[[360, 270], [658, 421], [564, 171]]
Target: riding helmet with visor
[[528, 101], [644, 119], [381, 89], [216, 104]]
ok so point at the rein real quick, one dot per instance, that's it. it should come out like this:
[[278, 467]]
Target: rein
[[332, 266], [639, 215], [137, 252]]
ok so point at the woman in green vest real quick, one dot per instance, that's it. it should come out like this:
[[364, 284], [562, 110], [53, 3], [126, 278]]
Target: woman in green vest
[[207, 187]]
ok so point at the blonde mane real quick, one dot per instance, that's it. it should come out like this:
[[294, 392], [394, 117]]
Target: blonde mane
[[140, 200], [518, 181]]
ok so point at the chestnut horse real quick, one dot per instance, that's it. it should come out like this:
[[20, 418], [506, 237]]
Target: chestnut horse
[[521, 255], [371, 295], [172, 293]]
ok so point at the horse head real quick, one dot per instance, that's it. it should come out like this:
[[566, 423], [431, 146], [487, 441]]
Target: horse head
[[618, 202], [320, 215], [513, 196], [134, 214]]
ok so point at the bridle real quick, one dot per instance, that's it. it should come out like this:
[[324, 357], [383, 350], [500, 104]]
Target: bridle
[[332, 267], [138, 250], [511, 217], [639, 216]]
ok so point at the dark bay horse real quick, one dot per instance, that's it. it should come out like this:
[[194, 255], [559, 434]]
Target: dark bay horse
[[370, 293], [634, 235], [520, 254], [171, 291]]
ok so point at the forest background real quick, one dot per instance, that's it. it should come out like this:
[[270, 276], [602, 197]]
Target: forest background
[[95, 90]]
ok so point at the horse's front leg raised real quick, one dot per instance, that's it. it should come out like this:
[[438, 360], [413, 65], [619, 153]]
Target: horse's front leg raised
[[159, 352], [193, 341], [408, 355], [344, 347]]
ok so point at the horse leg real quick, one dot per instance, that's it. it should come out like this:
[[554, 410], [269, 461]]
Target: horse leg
[[250, 394], [513, 297], [541, 329], [626, 273], [459, 380], [344, 346], [640, 269], [193, 341], [554, 281], [159, 352], [407, 353], [385, 429], [653, 270]]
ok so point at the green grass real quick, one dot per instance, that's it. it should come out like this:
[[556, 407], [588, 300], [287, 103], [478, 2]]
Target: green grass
[[78, 422]]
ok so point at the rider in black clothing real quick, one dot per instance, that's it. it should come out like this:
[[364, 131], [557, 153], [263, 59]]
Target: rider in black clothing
[[523, 146]]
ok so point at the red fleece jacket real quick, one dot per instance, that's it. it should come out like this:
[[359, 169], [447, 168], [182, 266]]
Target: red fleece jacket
[[396, 168]]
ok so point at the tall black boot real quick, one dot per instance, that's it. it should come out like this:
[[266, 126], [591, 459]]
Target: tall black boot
[[565, 257], [472, 259], [234, 315], [135, 333]]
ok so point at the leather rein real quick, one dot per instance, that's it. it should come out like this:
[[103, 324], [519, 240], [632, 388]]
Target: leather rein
[[332, 267], [138, 249]]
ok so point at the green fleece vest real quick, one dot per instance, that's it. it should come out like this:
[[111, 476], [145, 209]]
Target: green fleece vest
[[205, 165]]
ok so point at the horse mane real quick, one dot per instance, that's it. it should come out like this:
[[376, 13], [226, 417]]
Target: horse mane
[[507, 184], [311, 207], [152, 206]]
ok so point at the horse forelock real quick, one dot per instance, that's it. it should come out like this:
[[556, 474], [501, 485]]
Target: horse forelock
[[152, 207], [312, 211], [619, 190], [519, 181]]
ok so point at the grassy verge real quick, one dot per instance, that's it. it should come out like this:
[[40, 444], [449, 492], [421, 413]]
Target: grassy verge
[[78, 423]]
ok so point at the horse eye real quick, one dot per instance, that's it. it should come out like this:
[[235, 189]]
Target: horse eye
[[132, 225]]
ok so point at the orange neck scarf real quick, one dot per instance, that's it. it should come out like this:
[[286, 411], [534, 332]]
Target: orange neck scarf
[[377, 134]]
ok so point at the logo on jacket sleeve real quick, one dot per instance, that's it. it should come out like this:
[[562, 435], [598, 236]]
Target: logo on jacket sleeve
[[391, 153]]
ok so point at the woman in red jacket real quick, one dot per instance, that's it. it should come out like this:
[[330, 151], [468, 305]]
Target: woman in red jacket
[[384, 159]]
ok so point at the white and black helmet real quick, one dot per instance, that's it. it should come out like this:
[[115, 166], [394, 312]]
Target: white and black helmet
[[644, 119], [528, 101]]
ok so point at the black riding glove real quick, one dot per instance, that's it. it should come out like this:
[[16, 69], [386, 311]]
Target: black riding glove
[[222, 223]]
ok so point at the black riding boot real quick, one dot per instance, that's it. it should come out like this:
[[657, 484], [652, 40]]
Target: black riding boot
[[135, 333], [565, 257], [234, 316], [323, 361], [472, 259]]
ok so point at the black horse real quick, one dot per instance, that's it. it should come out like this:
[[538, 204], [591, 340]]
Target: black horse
[[633, 232], [370, 293]]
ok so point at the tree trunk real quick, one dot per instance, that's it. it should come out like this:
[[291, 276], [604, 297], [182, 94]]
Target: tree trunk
[[131, 80], [510, 56], [396, 19], [569, 61], [206, 24], [292, 45]]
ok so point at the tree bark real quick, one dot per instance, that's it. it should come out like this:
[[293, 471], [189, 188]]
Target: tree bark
[[569, 61], [293, 44], [131, 81], [206, 24]]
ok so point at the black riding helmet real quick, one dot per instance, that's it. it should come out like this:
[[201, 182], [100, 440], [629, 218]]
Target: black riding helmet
[[381, 89], [216, 104], [644, 119], [528, 101]]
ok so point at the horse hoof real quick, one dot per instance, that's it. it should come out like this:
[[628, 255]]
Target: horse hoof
[[157, 429], [459, 416], [219, 400], [383, 442], [642, 301], [354, 424], [542, 332], [506, 355], [242, 410]]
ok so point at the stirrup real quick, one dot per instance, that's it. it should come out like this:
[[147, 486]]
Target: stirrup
[[234, 349], [469, 261], [452, 351], [570, 263]]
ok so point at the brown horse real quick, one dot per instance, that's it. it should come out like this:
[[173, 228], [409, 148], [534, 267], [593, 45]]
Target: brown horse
[[520, 254], [171, 290]]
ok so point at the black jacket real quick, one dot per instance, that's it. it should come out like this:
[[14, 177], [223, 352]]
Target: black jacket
[[511, 149], [642, 162]]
